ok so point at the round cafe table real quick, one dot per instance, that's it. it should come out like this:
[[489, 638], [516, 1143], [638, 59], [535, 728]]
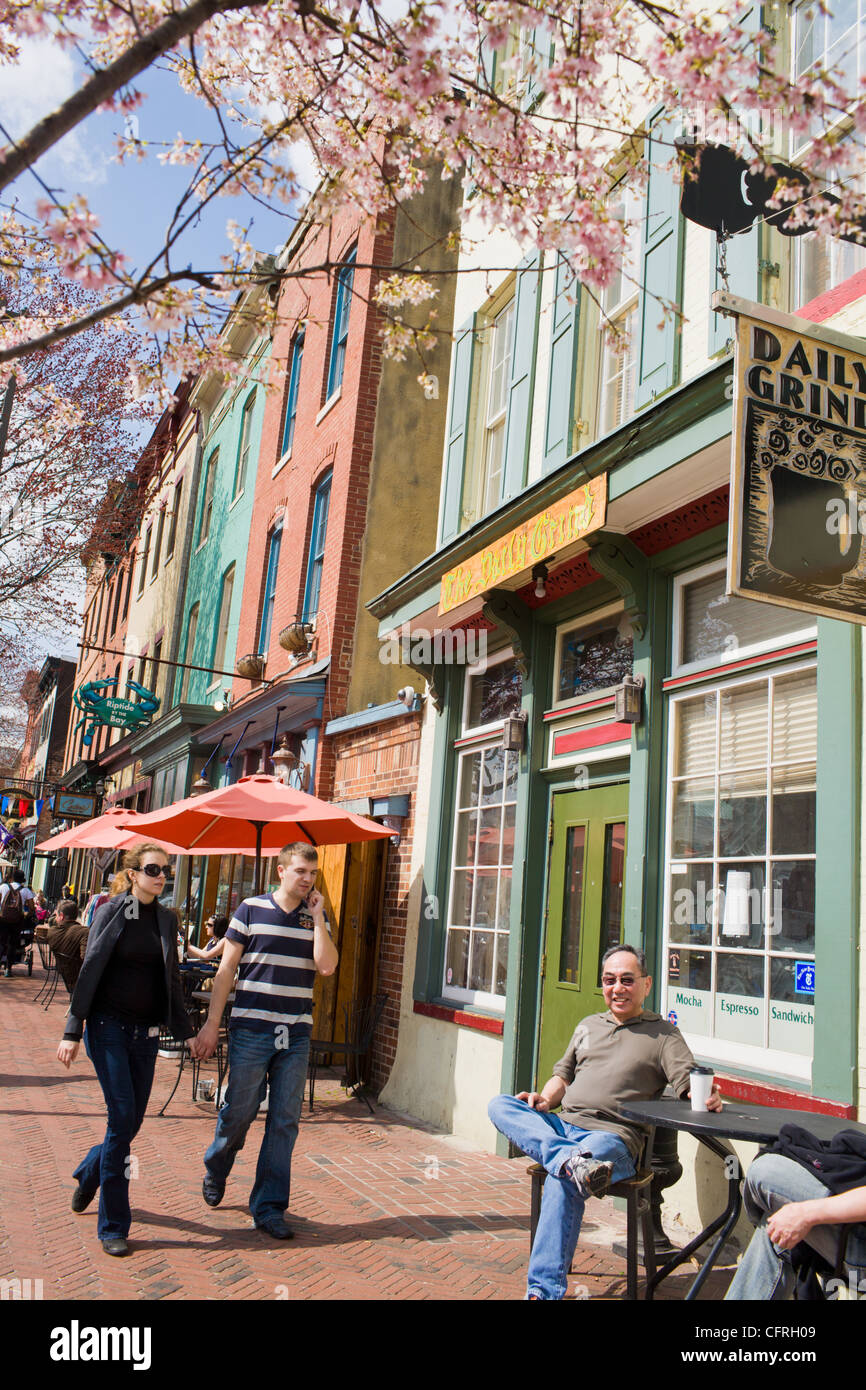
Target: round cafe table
[[759, 1124]]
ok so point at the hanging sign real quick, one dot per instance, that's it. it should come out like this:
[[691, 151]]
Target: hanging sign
[[555, 531], [798, 475], [98, 707]]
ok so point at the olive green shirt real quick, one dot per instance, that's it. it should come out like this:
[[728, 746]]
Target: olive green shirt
[[608, 1064]]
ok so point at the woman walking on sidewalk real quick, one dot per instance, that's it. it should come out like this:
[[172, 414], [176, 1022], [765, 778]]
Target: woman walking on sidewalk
[[129, 984]]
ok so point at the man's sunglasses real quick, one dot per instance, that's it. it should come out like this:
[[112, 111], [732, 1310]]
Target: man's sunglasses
[[153, 870]]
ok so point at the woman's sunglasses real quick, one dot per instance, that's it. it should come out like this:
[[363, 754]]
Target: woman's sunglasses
[[153, 870]]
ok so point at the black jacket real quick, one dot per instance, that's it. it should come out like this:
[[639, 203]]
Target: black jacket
[[108, 922], [839, 1163]]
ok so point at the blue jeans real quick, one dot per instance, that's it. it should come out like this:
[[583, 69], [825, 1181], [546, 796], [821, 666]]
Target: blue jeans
[[124, 1059], [258, 1063], [765, 1272], [551, 1142]]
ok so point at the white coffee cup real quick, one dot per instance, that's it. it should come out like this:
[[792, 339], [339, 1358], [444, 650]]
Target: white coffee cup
[[701, 1086]]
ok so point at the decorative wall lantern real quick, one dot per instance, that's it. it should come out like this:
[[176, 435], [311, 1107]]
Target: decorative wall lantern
[[514, 733], [286, 762], [629, 700]]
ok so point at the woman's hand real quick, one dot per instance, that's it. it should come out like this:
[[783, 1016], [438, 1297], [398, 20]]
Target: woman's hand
[[67, 1052]]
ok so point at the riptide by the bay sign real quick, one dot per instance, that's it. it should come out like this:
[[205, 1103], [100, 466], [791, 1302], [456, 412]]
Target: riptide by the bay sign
[[798, 468]]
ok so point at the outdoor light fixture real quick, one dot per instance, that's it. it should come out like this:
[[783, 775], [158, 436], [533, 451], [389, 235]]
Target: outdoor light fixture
[[286, 762], [200, 786], [224, 701], [514, 733], [629, 700], [539, 574]]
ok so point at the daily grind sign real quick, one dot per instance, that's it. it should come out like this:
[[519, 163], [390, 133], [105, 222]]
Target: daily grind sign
[[798, 475]]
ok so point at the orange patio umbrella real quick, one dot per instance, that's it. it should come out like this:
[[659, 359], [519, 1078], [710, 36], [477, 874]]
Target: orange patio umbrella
[[112, 830], [257, 815]]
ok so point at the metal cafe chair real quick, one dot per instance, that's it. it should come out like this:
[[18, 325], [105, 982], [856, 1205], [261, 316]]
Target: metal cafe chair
[[636, 1191], [362, 1016]]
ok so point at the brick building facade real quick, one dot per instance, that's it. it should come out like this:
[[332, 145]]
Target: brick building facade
[[340, 508]]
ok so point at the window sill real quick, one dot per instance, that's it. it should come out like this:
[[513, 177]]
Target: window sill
[[235, 500], [329, 404], [281, 463], [446, 1013], [765, 1093]]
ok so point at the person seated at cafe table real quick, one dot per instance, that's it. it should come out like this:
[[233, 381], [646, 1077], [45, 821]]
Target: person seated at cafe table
[[213, 948], [625, 1054], [67, 937], [790, 1205]]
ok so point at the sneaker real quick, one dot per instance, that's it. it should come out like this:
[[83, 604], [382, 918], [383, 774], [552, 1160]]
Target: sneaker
[[212, 1191], [82, 1197], [275, 1226], [591, 1176]]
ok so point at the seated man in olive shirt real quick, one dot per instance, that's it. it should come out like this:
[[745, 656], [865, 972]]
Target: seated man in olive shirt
[[67, 938], [623, 1055]]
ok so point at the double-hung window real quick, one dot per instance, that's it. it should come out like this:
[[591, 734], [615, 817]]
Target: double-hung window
[[157, 549], [482, 857], [191, 627], [342, 306], [223, 618], [270, 591], [292, 394], [172, 523], [207, 501], [318, 536], [142, 573], [619, 321], [500, 348], [244, 445], [833, 38]]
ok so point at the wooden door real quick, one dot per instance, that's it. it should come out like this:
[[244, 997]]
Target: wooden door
[[584, 911]]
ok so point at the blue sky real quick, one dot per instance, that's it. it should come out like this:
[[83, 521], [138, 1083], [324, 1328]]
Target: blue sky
[[133, 201]]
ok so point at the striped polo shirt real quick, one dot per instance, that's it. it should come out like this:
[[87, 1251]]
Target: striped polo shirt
[[276, 971]]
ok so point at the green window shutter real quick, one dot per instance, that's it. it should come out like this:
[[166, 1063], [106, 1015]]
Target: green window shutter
[[458, 419], [660, 264], [561, 373], [524, 344], [489, 60]]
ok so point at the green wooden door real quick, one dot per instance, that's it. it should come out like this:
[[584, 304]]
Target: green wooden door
[[584, 911]]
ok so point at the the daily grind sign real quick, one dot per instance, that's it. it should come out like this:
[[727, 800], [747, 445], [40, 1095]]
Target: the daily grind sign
[[798, 475]]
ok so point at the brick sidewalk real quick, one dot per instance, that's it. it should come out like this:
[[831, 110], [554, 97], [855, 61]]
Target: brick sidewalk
[[382, 1207]]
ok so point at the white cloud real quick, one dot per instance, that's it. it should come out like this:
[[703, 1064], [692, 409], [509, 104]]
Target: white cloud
[[42, 79]]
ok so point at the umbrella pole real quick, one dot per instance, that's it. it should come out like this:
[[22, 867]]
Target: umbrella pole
[[188, 901], [258, 872]]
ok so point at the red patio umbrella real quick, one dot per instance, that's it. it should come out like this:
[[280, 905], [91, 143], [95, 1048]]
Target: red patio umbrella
[[112, 830], [256, 815]]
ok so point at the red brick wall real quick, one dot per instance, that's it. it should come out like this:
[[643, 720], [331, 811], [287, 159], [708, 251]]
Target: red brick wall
[[382, 760], [342, 441]]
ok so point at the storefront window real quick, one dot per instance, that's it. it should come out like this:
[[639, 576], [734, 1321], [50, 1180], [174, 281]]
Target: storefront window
[[715, 628], [594, 660], [740, 899], [476, 948]]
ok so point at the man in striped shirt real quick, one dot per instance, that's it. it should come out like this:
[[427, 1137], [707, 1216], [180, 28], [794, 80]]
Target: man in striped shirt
[[276, 943]]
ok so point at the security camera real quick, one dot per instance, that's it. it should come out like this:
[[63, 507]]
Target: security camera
[[407, 696]]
